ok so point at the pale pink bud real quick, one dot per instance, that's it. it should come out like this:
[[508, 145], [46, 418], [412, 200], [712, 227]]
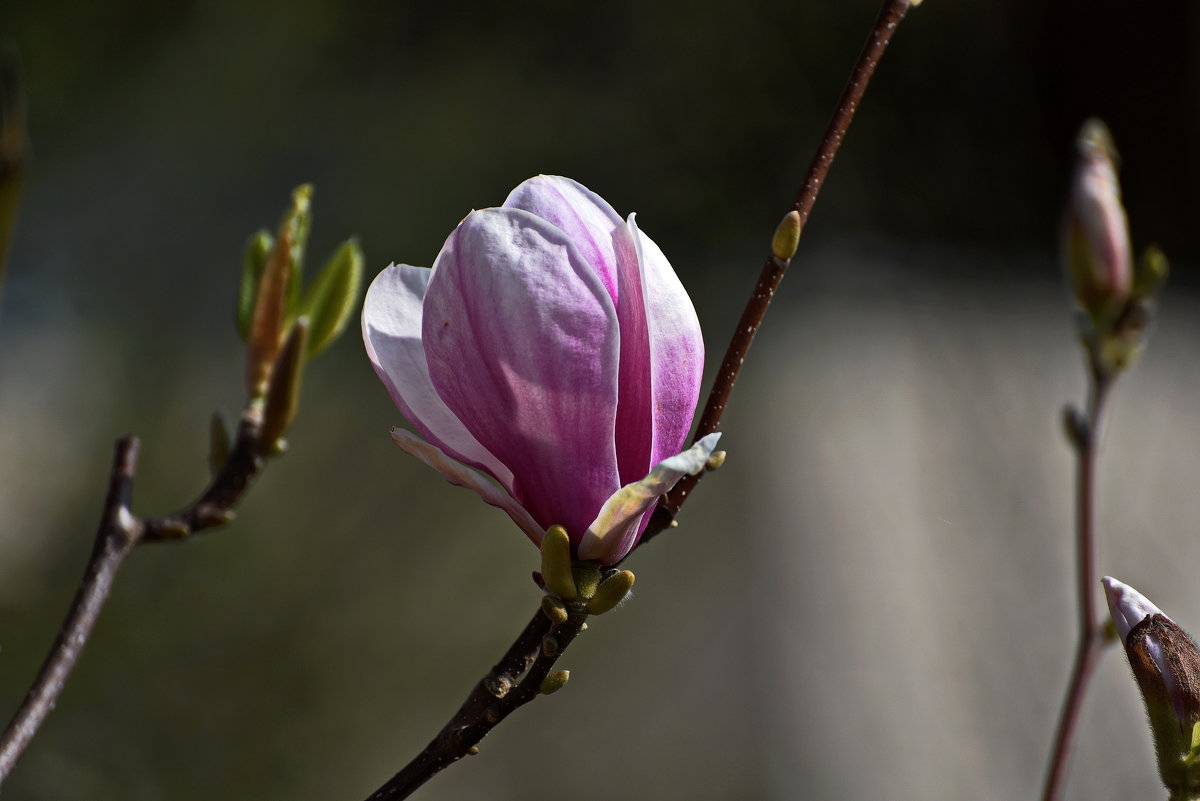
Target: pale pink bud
[[1097, 246]]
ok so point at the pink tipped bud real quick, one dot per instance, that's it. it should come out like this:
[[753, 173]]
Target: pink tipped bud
[[1166, 666], [1128, 606], [1097, 232]]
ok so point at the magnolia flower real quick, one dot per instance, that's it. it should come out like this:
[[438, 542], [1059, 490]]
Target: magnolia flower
[[1099, 264], [1166, 666], [551, 348]]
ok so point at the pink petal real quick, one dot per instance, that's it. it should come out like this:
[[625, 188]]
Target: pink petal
[[462, 476], [585, 217], [616, 529], [391, 323], [662, 354], [522, 344]]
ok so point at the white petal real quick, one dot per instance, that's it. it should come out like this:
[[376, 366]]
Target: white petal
[[1128, 606], [391, 323]]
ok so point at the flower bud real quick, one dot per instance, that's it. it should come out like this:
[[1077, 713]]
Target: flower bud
[[1097, 233], [1166, 666]]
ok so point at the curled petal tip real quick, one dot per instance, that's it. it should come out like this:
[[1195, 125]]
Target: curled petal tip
[[1127, 606]]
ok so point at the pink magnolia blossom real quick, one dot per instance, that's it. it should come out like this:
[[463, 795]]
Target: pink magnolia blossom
[[551, 348]]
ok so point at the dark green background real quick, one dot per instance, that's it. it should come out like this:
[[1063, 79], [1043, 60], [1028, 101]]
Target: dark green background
[[307, 651]]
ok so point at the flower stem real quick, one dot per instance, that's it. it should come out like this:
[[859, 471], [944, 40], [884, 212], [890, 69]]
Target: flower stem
[[890, 16], [1091, 634], [497, 695]]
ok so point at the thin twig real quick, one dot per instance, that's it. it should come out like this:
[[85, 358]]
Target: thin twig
[[214, 506], [491, 701], [890, 16], [1091, 634], [118, 534]]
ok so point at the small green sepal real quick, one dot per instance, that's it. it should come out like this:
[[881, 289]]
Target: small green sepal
[[587, 578], [555, 682], [330, 300], [614, 590], [556, 563], [554, 609], [218, 443]]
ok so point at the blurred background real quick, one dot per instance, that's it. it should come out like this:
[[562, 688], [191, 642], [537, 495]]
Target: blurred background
[[873, 599]]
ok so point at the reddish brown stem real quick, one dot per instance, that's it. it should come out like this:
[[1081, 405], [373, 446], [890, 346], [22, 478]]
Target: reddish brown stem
[[890, 16], [1091, 634]]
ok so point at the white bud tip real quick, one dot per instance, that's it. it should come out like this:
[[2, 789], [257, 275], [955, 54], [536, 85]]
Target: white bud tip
[[1128, 606]]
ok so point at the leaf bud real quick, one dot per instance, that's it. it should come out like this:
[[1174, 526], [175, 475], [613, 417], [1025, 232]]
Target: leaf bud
[[283, 391], [787, 236]]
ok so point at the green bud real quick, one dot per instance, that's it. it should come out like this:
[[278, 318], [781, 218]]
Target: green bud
[[554, 682], [1152, 272], [614, 590], [715, 461], [283, 393], [218, 443], [254, 262], [554, 609], [556, 563], [330, 300], [787, 236]]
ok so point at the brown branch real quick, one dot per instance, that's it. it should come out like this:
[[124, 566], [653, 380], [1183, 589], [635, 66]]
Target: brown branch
[[215, 505], [890, 16], [491, 700], [120, 532], [1091, 634]]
